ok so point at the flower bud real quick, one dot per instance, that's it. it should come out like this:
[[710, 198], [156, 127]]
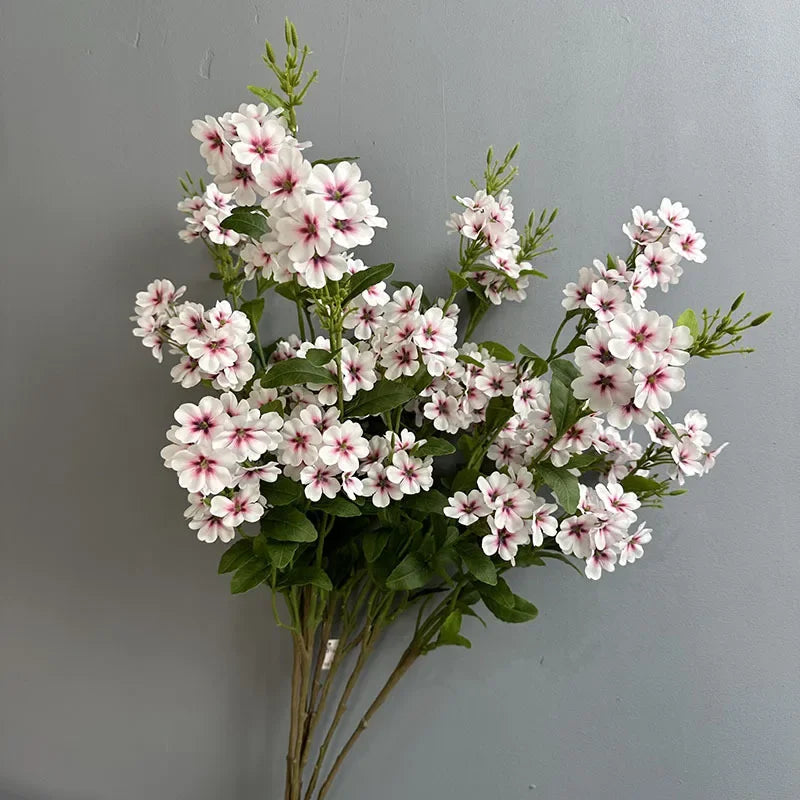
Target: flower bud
[[760, 320]]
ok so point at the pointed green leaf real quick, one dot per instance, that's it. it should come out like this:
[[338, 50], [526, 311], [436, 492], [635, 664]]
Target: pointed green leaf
[[248, 576], [239, 553], [287, 524], [295, 371], [366, 278], [386, 396]]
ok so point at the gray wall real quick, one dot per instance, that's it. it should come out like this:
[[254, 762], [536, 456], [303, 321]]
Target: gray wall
[[126, 669]]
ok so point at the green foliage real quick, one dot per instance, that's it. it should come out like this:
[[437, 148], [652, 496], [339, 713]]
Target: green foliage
[[282, 492], [411, 573], [476, 562], [287, 524], [385, 396], [295, 371], [238, 554], [363, 280], [248, 576], [497, 350], [247, 222], [565, 486], [434, 447]]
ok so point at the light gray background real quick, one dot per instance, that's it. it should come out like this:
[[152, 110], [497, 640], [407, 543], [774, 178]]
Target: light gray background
[[126, 669]]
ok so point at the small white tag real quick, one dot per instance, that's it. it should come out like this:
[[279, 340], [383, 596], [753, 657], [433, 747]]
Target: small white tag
[[330, 652]]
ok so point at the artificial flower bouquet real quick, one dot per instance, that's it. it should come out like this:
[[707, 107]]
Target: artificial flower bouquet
[[375, 462]]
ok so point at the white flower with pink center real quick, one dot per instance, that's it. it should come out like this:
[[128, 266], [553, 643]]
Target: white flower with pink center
[[213, 146], [632, 547], [512, 508], [305, 230], [645, 227], [443, 411], [241, 184], [409, 473], [210, 529], [218, 234], [352, 486], [201, 422], [284, 180], [214, 352], [543, 521], [656, 265], [344, 445], [656, 384], [158, 298], [320, 479], [404, 306], [436, 332], [494, 487], [575, 294], [600, 561], [604, 386], [400, 360], [321, 268], [688, 458], [249, 434], [575, 535], [639, 336], [503, 542], [466, 508], [689, 244], [617, 501], [606, 300], [258, 143], [341, 188], [300, 443], [246, 505], [380, 487], [674, 215], [201, 469], [189, 323], [358, 370]]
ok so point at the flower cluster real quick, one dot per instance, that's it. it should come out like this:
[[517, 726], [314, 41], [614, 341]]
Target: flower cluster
[[315, 214]]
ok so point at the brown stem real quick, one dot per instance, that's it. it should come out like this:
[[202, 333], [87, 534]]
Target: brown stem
[[366, 647], [293, 719], [408, 658]]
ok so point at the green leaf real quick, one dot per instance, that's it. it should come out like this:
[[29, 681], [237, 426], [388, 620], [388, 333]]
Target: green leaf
[[663, 417], [287, 524], [465, 480], [689, 319], [499, 593], [308, 576], [564, 408], [282, 492], [281, 553], [248, 576], [470, 360], [384, 397], [478, 564], [235, 556], [497, 350], [290, 290], [507, 606], [431, 502], [564, 370], [411, 573], [366, 278], [267, 95], [498, 412], [565, 486], [449, 632], [641, 485], [294, 371], [457, 281], [248, 223], [374, 543], [254, 309], [338, 507], [319, 357], [435, 447]]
